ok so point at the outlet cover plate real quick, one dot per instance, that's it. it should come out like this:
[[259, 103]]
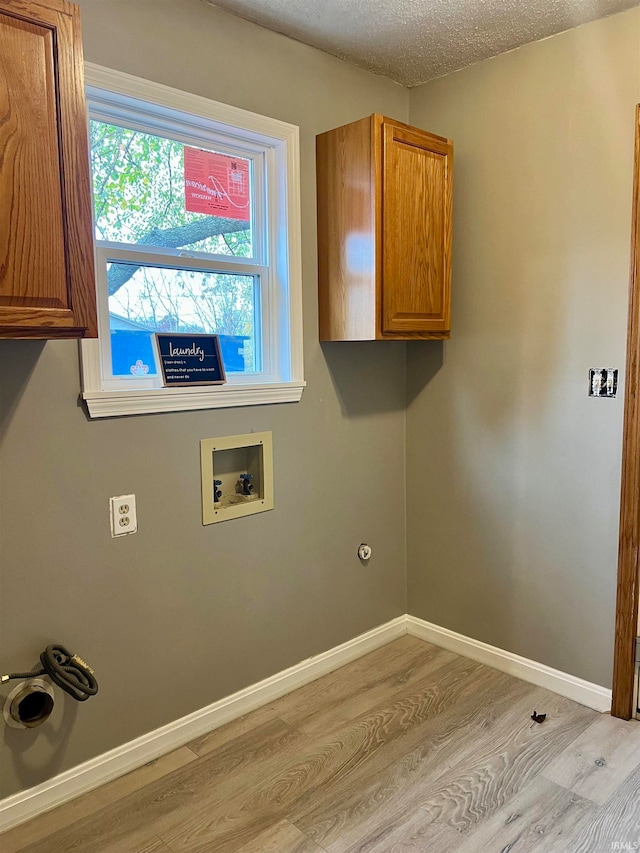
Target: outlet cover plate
[[603, 382], [123, 515]]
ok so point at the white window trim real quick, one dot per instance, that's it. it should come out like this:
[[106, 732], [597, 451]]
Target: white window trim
[[284, 140]]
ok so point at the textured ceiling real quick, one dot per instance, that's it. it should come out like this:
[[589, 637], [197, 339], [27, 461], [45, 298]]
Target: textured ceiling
[[411, 41]]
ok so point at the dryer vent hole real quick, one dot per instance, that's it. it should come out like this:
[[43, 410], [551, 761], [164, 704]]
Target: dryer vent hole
[[35, 708]]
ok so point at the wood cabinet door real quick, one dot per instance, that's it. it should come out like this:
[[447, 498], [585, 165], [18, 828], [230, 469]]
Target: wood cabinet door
[[46, 250], [416, 230]]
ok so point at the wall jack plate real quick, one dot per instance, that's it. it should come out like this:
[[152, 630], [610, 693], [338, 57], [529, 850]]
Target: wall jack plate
[[124, 518], [603, 382]]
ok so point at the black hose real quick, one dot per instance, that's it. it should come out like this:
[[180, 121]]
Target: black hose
[[68, 671]]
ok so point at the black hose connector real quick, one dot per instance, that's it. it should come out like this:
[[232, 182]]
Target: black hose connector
[[68, 671]]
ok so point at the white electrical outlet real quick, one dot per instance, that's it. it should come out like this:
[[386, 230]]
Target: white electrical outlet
[[123, 515]]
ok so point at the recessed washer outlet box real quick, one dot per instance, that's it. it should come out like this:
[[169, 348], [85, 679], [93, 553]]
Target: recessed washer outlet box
[[225, 460]]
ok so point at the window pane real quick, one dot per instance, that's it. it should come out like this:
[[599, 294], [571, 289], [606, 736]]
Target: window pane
[[151, 299], [153, 191]]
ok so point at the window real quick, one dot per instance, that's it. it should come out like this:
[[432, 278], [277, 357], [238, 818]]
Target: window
[[196, 216]]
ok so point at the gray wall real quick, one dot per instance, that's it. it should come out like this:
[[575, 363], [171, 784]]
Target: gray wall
[[513, 485], [513, 474], [179, 615]]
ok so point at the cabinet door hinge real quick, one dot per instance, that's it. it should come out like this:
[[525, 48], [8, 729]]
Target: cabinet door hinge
[[637, 650]]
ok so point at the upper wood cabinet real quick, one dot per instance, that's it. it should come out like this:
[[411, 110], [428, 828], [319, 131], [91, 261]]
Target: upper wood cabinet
[[46, 244], [384, 232]]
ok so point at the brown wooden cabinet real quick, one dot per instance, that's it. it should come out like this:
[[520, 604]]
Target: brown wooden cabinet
[[384, 232], [47, 285]]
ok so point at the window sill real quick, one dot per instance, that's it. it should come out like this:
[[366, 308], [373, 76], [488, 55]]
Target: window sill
[[112, 404]]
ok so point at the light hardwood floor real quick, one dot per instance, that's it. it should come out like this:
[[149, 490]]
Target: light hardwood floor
[[410, 748]]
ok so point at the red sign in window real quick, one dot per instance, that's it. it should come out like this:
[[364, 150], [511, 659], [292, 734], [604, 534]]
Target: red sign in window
[[216, 184]]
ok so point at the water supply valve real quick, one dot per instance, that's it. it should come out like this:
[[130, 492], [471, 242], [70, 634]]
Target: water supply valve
[[217, 491], [246, 486]]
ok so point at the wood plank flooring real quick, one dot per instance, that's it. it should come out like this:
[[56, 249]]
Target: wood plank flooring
[[409, 749]]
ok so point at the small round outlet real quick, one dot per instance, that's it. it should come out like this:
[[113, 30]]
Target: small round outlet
[[364, 552]]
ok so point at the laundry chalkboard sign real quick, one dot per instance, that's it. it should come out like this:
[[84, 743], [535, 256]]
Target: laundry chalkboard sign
[[190, 359]]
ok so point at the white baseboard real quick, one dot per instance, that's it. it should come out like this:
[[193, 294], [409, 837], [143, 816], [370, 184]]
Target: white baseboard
[[25, 805], [583, 692]]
